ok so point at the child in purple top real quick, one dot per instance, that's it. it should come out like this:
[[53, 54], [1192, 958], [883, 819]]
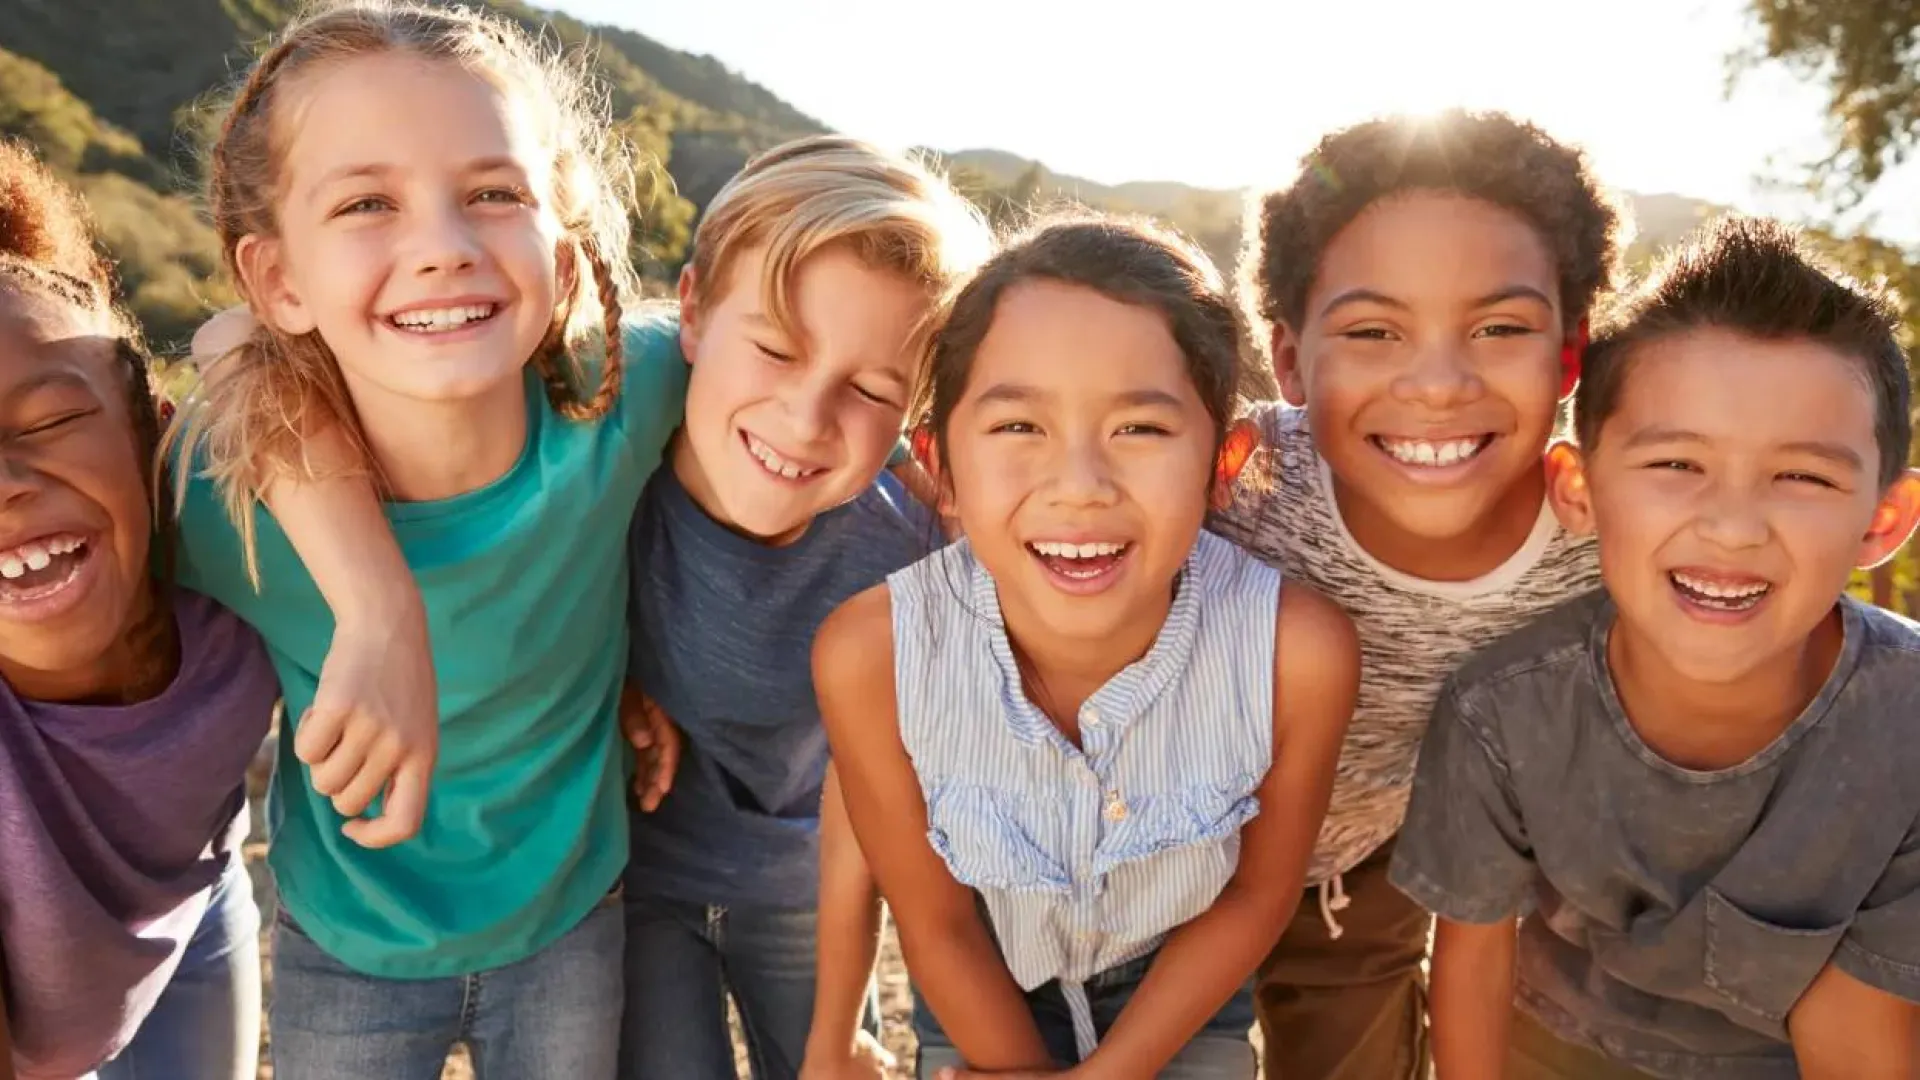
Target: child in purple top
[[128, 713]]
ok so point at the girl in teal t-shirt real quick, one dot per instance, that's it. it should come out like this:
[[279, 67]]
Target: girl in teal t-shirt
[[425, 280]]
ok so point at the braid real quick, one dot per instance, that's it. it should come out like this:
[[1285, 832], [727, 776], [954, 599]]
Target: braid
[[245, 109], [613, 363]]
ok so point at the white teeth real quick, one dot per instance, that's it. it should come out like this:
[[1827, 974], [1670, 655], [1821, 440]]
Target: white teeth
[[1056, 549], [438, 319], [1437, 454], [37, 554], [1719, 591], [774, 463]]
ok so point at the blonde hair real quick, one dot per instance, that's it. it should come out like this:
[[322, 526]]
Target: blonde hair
[[247, 424], [894, 212]]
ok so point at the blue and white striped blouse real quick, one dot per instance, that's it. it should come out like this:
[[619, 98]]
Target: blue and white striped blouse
[[1086, 860]]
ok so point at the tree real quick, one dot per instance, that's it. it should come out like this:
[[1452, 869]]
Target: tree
[[1867, 52]]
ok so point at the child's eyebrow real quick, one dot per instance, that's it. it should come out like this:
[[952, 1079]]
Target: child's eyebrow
[[1836, 453], [1501, 295], [1843, 456], [1018, 393], [1362, 296], [52, 377]]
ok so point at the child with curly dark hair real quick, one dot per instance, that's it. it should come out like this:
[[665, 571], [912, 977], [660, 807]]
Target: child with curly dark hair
[[1423, 286]]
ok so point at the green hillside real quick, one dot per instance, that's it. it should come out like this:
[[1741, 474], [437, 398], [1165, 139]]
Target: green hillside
[[119, 94]]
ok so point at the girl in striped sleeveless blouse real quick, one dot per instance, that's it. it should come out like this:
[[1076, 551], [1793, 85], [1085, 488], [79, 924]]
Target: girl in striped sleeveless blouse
[[1087, 748]]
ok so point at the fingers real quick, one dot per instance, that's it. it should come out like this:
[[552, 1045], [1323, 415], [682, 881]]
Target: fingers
[[319, 731], [372, 778], [332, 772], [666, 738], [401, 814]]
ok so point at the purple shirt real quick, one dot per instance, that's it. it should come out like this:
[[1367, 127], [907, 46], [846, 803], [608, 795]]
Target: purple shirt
[[115, 823]]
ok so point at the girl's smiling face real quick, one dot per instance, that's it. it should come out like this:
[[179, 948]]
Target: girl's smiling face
[[1079, 455], [75, 514]]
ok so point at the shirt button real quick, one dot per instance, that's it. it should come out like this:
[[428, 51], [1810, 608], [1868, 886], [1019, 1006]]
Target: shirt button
[[1090, 717], [1116, 807]]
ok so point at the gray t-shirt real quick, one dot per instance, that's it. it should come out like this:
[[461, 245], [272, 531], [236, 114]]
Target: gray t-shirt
[[115, 824], [1413, 632], [1674, 917]]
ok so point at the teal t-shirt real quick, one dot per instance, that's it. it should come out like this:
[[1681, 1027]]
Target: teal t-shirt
[[526, 584]]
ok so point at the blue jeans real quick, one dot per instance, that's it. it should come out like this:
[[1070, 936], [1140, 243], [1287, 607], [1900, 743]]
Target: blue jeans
[[553, 1016], [206, 1023], [1220, 1051], [684, 960]]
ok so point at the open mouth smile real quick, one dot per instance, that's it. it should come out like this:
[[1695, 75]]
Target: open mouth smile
[[38, 578], [1432, 453]]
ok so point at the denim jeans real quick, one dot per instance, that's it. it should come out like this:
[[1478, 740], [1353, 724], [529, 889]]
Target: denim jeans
[[683, 962], [206, 1023], [1220, 1051], [553, 1016]]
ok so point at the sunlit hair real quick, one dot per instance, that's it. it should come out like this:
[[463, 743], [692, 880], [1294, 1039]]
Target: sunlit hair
[[1757, 279], [1490, 157], [1127, 260], [47, 249], [245, 427], [890, 210]]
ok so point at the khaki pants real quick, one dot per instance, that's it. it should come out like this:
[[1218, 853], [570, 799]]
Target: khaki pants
[[1352, 1007], [1534, 1053]]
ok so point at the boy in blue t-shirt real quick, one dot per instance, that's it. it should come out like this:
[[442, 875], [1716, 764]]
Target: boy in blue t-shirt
[[1696, 785]]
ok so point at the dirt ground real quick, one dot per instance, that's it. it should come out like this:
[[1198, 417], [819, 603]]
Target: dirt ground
[[896, 1001]]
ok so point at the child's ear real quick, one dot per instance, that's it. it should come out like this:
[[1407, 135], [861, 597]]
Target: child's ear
[[689, 315], [1243, 438], [1285, 348], [926, 454], [1572, 353], [264, 276], [1567, 488], [1893, 521]]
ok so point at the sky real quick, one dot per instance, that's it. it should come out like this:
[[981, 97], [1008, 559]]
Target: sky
[[1230, 93]]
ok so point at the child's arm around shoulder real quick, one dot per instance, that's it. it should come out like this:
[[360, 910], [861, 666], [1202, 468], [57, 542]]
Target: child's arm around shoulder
[[952, 957], [1203, 963], [373, 728]]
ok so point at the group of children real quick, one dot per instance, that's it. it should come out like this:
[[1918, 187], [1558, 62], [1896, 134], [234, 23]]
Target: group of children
[[629, 656]]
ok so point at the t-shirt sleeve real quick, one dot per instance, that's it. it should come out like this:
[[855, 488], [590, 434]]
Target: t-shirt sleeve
[[1882, 947], [1463, 853], [653, 396]]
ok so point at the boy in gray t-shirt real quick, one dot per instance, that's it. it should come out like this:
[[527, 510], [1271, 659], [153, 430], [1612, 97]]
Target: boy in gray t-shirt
[[1699, 784]]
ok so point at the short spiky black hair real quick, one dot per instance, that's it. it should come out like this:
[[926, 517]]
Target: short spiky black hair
[[1754, 277], [1486, 156]]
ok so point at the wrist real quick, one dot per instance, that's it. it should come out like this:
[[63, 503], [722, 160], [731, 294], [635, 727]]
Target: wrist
[[390, 609]]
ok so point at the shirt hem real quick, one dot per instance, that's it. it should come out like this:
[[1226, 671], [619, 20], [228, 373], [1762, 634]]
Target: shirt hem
[[1891, 976], [444, 966], [1433, 896]]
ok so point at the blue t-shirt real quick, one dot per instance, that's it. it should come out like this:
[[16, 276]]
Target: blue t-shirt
[[722, 640], [525, 582]]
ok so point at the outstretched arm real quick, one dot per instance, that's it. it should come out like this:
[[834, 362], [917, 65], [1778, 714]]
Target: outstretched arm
[[953, 958], [1843, 1028], [850, 917]]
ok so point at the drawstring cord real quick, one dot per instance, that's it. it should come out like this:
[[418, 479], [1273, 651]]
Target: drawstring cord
[[1333, 898]]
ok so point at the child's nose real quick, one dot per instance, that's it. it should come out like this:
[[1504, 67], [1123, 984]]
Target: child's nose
[[1441, 376], [444, 243]]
